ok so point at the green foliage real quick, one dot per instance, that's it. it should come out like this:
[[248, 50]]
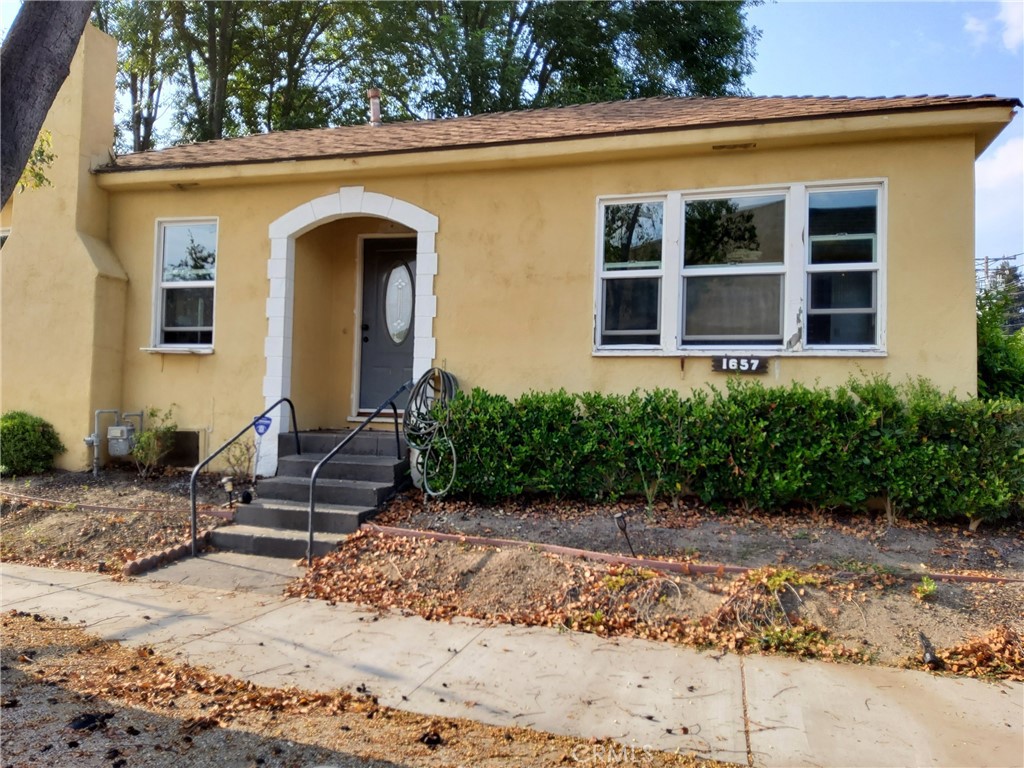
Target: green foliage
[[925, 589], [923, 453], [1000, 353], [244, 67], [155, 441], [28, 444], [41, 158]]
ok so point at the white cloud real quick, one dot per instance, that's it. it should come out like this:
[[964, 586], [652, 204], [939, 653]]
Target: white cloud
[[999, 199], [977, 29], [1011, 15], [1002, 168]]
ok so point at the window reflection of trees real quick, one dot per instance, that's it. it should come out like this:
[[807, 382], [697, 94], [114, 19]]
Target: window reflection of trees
[[717, 231], [632, 233], [197, 263]]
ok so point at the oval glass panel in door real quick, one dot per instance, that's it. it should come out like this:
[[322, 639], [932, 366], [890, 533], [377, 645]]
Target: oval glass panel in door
[[398, 302]]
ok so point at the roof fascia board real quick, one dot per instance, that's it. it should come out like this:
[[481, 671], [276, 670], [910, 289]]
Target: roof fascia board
[[983, 123]]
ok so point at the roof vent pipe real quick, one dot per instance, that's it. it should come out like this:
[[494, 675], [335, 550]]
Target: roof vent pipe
[[373, 94]]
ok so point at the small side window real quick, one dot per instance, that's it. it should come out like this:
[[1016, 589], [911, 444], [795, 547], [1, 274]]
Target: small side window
[[631, 273], [187, 264]]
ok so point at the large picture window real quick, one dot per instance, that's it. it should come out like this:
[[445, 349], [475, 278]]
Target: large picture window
[[790, 269], [187, 271]]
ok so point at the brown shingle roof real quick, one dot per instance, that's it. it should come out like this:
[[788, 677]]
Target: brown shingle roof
[[554, 124]]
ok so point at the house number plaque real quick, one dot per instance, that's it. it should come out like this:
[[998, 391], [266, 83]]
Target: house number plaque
[[750, 365]]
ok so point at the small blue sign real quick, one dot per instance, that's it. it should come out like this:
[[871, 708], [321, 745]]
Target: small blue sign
[[261, 425]]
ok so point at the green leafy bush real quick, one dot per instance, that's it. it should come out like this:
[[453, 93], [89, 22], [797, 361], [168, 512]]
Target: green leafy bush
[[923, 453], [155, 441], [28, 444], [1000, 354]]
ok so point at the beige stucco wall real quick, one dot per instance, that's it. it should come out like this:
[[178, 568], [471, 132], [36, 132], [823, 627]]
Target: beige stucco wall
[[62, 293], [515, 283], [516, 278]]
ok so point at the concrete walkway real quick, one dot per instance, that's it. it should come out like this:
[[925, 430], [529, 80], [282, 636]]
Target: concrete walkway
[[225, 612]]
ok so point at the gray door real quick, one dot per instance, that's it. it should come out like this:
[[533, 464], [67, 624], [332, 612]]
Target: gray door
[[389, 268]]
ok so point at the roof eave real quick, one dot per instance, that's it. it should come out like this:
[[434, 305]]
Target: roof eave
[[984, 122]]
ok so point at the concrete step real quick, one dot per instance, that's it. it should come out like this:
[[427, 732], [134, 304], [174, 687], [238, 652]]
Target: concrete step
[[294, 516], [253, 540], [345, 466], [369, 442], [358, 493]]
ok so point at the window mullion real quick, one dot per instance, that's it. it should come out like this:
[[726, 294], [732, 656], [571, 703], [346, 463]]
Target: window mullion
[[794, 314], [671, 278]]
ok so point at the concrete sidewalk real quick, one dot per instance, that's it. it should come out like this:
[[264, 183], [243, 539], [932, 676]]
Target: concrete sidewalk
[[225, 612]]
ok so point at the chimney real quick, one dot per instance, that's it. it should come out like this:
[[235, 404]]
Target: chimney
[[374, 96]]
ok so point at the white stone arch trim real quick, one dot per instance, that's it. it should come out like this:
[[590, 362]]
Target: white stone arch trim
[[277, 348]]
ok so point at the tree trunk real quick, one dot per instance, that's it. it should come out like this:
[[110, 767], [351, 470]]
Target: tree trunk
[[34, 62]]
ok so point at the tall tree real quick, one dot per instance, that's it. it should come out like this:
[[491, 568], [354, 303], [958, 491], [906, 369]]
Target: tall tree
[[146, 60], [34, 62], [474, 56], [248, 66], [213, 39], [290, 78]]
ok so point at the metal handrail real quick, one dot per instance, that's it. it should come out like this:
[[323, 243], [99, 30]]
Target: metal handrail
[[337, 449], [215, 454]]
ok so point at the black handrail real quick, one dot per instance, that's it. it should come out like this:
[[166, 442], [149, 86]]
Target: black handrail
[[334, 452], [215, 454]]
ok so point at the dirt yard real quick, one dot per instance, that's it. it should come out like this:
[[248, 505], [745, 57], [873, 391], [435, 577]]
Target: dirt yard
[[824, 585]]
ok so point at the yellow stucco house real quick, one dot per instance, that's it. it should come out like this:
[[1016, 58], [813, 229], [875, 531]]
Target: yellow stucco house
[[598, 247]]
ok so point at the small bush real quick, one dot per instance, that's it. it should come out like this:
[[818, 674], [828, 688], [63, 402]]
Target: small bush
[[155, 441], [239, 457], [28, 444]]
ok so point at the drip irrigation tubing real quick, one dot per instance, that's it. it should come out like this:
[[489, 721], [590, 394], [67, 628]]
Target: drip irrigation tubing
[[425, 425]]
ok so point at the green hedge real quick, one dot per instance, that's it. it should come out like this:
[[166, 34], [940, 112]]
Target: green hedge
[[923, 453], [28, 444]]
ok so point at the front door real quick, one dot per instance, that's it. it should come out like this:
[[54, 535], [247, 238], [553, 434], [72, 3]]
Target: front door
[[389, 267]]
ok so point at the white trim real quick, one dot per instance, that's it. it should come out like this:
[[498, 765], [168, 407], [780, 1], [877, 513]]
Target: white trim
[[177, 350], [157, 308], [346, 202], [794, 270]]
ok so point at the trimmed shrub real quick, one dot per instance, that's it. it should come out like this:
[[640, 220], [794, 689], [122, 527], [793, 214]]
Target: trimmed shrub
[[28, 444], [924, 453]]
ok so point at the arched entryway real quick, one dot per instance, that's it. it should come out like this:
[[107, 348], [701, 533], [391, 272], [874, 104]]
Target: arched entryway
[[279, 346]]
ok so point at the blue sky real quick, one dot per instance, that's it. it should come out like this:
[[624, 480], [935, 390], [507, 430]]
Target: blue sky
[[839, 48], [910, 48]]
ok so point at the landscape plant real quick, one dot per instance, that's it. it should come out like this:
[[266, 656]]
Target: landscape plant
[[154, 442], [28, 444], [917, 451]]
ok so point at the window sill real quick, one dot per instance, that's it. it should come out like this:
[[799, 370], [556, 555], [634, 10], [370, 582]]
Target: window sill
[[740, 352], [177, 350]]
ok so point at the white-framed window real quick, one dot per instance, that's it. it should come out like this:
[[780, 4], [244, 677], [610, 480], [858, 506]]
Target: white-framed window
[[782, 269], [186, 275]]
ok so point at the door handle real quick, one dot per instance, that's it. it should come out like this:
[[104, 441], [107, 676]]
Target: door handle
[[366, 327]]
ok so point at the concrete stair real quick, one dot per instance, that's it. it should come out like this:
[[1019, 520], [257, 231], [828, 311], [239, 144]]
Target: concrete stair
[[350, 489]]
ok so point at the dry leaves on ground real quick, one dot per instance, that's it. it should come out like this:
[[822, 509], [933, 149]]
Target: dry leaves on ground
[[71, 699], [767, 610]]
